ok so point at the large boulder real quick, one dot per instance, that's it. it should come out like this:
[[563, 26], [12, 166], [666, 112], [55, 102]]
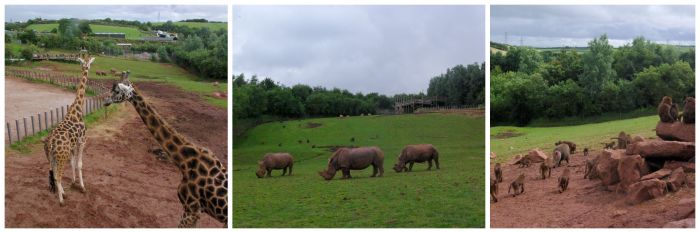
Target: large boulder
[[536, 156], [677, 131], [645, 190], [629, 170], [607, 166], [688, 167], [660, 174], [677, 180], [666, 150]]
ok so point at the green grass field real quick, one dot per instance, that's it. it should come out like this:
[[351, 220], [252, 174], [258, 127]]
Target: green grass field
[[450, 197], [520, 140], [132, 33], [212, 26], [142, 71]]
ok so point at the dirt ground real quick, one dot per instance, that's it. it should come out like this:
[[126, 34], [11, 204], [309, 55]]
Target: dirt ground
[[586, 203], [21, 99], [126, 185]]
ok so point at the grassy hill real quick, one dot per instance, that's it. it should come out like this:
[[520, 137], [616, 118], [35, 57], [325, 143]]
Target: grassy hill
[[141, 71], [508, 141], [131, 32], [450, 197], [212, 26]]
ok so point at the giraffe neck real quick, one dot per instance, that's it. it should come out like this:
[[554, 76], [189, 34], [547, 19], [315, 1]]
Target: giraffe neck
[[168, 138], [79, 101]]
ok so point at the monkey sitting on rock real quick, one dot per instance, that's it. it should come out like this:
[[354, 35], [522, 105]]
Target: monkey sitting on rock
[[664, 110]]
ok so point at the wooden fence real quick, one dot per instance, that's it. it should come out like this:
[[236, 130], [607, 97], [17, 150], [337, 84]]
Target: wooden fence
[[33, 124]]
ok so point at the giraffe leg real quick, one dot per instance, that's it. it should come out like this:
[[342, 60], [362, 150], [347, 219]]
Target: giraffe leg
[[81, 148], [57, 179]]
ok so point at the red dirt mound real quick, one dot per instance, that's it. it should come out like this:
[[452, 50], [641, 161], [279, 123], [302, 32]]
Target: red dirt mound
[[586, 203], [126, 185]]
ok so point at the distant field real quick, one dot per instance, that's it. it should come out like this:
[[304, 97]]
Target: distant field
[[131, 32], [450, 197], [508, 141], [212, 26], [144, 71]]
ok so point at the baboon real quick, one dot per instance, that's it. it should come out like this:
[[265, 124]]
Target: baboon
[[664, 110], [564, 151], [674, 112], [608, 145], [689, 110], [590, 172], [545, 169], [518, 185], [564, 180], [571, 144], [498, 172], [622, 140], [494, 189], [523, 162], [585, 152]]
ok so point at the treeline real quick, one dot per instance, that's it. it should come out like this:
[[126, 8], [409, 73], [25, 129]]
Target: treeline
[[254, 98], [460, 85], [199, 50], [527, 84]]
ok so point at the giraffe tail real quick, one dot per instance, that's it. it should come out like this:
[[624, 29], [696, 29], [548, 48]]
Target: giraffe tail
[[52, 182]]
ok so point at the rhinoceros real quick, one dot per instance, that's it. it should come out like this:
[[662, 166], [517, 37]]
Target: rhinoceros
[[275, 161], [417, 154], [347, 159]]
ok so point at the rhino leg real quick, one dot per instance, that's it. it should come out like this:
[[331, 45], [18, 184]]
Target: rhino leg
[[284, 171], [410, 167], [346, 173], [381, 169], [430, 164], [290, 170], [437, 164], [269, 172], [374, 173]]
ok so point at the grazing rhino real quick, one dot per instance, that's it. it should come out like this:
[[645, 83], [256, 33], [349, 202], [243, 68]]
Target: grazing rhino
[[347, 159], [417, 154], [275, 161]]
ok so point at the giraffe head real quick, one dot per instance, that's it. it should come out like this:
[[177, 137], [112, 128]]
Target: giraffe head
[[121, 91], [85, 61]]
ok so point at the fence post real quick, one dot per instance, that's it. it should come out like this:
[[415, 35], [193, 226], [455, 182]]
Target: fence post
[[46, 121], [58, 119], [24, 120], [9, 135], [63, 116], [17, 128], [33, 131], [39, 120], [51, 116]]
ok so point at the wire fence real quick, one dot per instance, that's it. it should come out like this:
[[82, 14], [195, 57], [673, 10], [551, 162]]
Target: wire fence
[[42, 121]]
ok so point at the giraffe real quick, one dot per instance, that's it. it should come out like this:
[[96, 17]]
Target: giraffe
[[204, 184], [67, 140]]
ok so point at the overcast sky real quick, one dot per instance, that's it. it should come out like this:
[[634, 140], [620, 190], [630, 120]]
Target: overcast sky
[[384, 49], [142, 13], [547, 26]]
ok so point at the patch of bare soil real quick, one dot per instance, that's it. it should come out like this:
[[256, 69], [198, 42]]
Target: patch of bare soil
[[507, 134], [585, 203], [126, 185]]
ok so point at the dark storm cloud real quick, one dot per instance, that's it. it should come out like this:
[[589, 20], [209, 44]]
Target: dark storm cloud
[[385, 49], [124, 12], [655, 22]]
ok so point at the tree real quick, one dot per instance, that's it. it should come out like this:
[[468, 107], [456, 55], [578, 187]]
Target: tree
[[597, 70], [28, 37], [163, 54], [84, 28]]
